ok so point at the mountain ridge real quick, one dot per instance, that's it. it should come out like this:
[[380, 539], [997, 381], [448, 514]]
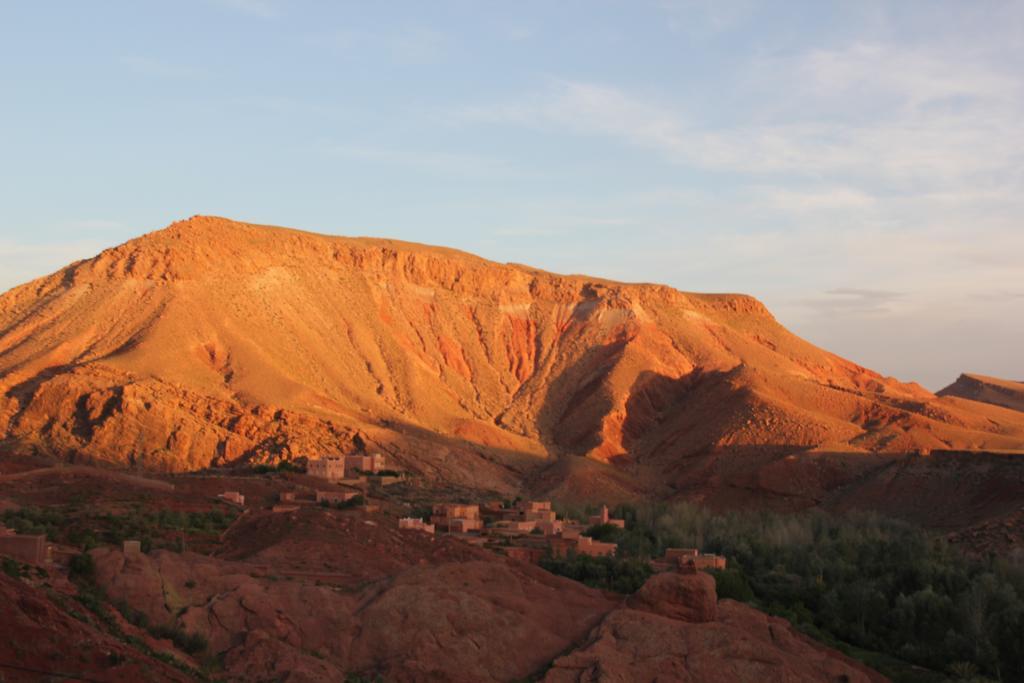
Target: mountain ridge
[[214, 342]]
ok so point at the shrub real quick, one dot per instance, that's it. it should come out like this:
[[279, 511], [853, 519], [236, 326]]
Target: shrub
[[350, 503], [11, 568], [191, 643], [730, 583], [621, 575], [81, 567]]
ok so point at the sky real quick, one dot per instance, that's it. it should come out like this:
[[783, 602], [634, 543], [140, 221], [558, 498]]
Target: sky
[[858, 166]]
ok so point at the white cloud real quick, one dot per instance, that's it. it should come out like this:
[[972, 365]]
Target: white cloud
[[869, 111]]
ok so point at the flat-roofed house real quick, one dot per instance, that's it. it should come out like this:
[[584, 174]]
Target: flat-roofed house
[[456, 518], [28, 548], [415, 524], [233, 497], [357, 464], [331, 468]]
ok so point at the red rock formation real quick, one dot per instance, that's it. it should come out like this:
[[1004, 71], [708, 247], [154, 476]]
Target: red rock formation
[[214, 342], [410, 607], [687, 597], [743, 645], [45, 643]]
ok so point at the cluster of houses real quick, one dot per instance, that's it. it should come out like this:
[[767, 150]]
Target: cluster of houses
[[529, 530], [341, 469], [290, 501]]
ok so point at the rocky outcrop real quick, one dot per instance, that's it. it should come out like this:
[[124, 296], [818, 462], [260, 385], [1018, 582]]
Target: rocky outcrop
[[218, 342], [742, 645], [45, 642], [479, 618], [687, 597]]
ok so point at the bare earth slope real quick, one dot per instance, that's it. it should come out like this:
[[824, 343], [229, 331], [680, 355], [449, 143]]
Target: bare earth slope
[[214, 342], [992, 390]]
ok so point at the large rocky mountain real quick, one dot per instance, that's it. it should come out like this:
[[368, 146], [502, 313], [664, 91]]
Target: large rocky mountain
[[214, 342]]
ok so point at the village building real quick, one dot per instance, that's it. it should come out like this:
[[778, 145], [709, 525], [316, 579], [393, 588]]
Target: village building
[[359, 464], [132, 547], [416, 524], [550, 528], [604, 518], [708, 561], [331, 468], [287, 497], [582, 545], [27, 548], [335, 496], [678, 555], [585, 545], [514, 526], [536, 511], [233, 497], [692, 558], [456, 518]]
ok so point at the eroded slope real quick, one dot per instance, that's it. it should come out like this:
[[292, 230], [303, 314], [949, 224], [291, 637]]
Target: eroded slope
[[214, 342]]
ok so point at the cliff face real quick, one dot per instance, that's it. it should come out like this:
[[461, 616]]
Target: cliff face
[[214, 341]]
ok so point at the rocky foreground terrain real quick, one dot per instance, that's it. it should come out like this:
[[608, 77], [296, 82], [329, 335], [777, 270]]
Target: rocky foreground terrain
[[214, 342], [401, 605]]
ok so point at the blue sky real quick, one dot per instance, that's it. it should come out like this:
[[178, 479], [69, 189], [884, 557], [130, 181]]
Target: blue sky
[[858, 166]]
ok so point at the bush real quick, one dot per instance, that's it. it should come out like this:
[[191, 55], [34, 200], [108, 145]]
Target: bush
[[620, 575], [11, 568], [191, 643], [386, 473], [350, 503], [731, 584], [81, 567]]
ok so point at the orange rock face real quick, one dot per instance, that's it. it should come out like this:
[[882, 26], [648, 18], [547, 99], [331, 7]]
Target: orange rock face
[[216, 342]]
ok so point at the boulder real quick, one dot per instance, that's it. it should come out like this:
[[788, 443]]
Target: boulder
[[686, 597]]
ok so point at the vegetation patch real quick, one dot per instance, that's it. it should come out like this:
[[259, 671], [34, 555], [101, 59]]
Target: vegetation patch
[[884, 591]]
